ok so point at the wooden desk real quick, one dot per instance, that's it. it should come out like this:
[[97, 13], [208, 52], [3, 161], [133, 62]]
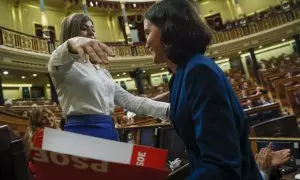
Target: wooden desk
[[250, 90], [289, 91], [253, 97], [156, 125], [271, 106], [281, 83], [17, 123]]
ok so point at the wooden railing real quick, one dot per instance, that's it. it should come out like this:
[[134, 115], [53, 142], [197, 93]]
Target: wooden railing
[[23, 41], [254, 26], [123, 50], [18, 40], [14, 39]]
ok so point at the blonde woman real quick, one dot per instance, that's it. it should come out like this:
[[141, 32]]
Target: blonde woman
[[38, 120], [86, 91]]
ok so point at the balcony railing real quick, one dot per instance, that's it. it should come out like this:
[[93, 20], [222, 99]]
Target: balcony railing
[[254, 24], [123, 50], [18, 40], [237, 29], [23, 41]]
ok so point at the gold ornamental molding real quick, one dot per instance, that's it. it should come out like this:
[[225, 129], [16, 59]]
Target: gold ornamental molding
[[265, 37], [25, 52]]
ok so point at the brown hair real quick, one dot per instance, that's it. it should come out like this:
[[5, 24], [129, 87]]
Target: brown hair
[[70, 27], [35, 121]]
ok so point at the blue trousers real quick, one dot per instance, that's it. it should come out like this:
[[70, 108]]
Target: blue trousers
[[100, 126]]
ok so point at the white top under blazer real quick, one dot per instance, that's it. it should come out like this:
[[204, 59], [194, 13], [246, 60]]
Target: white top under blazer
[[84, 88]]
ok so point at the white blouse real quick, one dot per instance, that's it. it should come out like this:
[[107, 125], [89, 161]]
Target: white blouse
[[84, 88]]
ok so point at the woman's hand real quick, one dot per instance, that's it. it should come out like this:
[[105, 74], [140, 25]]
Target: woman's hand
[[267, 158], [127, 120], [94, 49], [280, 157], [264, 158]]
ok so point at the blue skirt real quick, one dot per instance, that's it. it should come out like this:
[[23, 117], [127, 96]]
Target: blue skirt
[[100, 126]]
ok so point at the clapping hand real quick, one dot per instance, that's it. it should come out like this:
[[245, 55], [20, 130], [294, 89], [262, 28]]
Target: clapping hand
[[280, 157], [96, 50], [264, 158], [267, 158]]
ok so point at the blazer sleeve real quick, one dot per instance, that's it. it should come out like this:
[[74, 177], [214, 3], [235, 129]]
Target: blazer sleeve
[[216, 134]]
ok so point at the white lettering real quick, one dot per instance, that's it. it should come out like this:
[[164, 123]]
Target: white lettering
[[100, 167], [142, 154], [66, 160], [141, 158], [59, 159], [79, 163], [40, 156]]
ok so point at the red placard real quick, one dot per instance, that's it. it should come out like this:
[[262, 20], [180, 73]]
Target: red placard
[[57, 166], [148, 157]]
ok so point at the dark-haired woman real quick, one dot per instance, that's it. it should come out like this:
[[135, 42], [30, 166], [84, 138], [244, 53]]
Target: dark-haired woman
[[204, 109]]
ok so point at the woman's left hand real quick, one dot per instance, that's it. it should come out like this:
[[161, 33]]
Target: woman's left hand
[[264, 158]]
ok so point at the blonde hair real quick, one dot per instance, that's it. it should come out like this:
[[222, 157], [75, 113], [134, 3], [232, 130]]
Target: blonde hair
[[70, 27], [36, 121]]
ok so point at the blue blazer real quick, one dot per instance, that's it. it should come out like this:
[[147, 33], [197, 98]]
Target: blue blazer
[[208, 117]]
